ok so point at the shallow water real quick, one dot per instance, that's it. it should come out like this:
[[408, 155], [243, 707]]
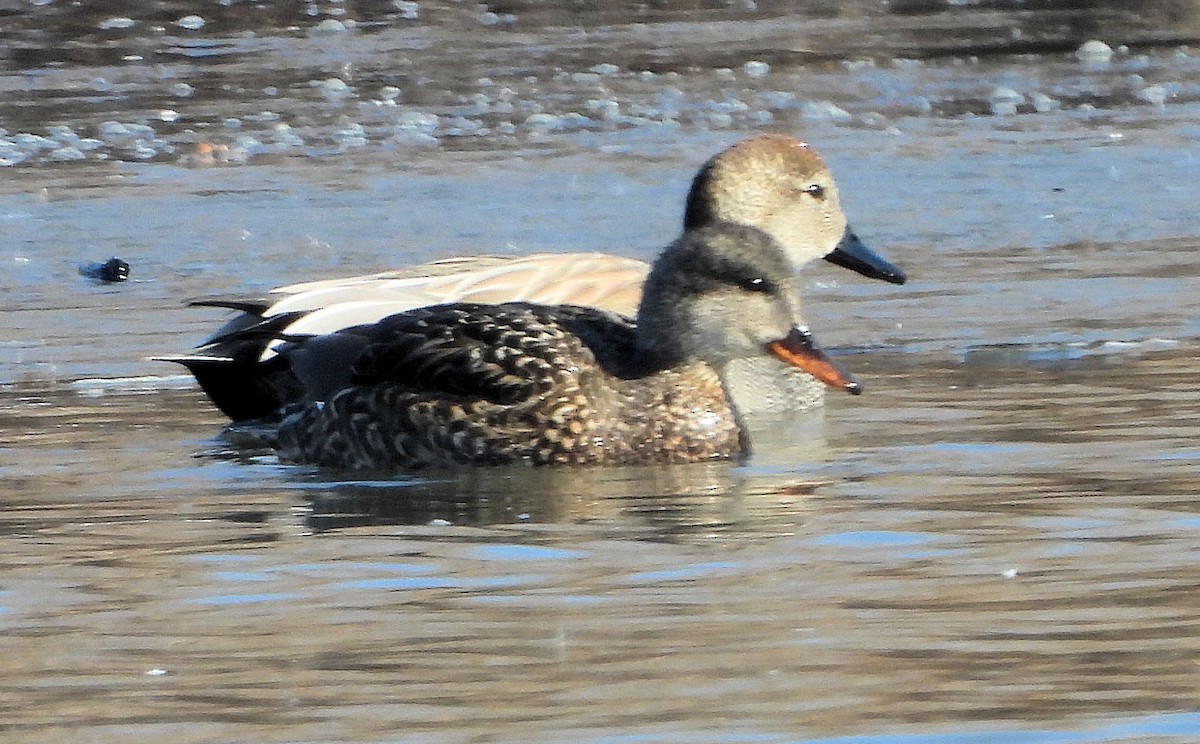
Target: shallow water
[[998, 541]]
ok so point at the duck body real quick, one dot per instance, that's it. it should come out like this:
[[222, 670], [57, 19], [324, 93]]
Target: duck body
[[473, 384]]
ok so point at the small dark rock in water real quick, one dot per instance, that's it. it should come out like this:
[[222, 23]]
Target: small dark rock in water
[[112, 270]]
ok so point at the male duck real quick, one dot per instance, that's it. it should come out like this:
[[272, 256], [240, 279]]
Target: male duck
[[772, 182], [475, 384]]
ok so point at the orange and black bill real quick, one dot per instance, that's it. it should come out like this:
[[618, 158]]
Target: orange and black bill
[[800, 349]]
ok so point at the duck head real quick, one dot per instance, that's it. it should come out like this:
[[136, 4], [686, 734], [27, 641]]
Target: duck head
[[781, 186], [727, 292]]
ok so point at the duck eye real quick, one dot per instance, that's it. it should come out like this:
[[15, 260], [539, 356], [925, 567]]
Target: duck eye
[[815, 190], [756, 284]]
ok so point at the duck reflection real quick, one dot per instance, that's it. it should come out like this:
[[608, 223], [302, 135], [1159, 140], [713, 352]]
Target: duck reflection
[[766, 494]]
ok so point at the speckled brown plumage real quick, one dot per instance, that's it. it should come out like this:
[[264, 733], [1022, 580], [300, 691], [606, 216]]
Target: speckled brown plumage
[[515, 383]]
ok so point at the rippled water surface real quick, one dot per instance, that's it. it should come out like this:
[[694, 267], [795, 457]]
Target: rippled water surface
[[999, 541]]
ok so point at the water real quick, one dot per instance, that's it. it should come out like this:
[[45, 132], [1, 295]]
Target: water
[[996, 542]]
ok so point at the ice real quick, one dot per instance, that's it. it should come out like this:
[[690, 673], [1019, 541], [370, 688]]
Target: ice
[[190, 22], [1155, 95], [756, 69], [605, 109], [64, 154], [1094, 52], [351, 135], [825, 111], [1044, 104], [117, 22], [334, 89], [328, 27], [1004, 101], [778, 99], [33, 142]]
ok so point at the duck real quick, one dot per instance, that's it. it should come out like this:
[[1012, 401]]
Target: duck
[[773, 182], [471, 384]]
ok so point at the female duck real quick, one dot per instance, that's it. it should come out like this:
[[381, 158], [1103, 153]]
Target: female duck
[[471, 384]]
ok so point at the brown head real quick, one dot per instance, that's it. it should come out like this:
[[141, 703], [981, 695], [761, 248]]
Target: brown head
[[781, 186]]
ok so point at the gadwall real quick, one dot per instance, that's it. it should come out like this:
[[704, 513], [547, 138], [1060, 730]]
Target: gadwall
[[519, 383], [773, 182]]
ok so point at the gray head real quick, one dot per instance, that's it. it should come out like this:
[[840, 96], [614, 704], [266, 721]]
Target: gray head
[[727, 291]]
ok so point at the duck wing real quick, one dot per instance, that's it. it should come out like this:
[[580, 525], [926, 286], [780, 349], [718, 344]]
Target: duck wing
[[503, 353]]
